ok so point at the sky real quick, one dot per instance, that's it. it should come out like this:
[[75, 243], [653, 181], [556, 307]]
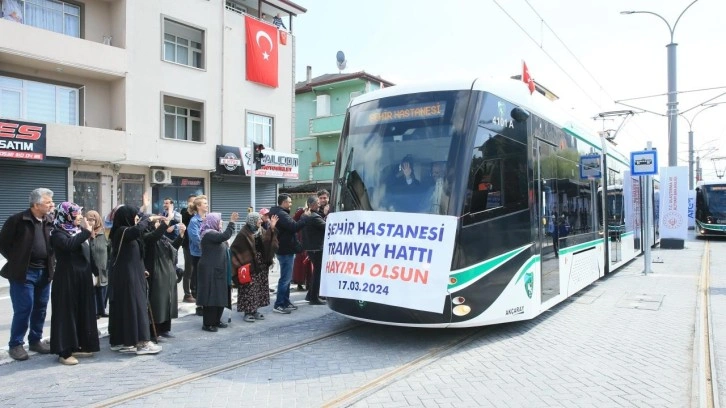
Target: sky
[[587, 53]]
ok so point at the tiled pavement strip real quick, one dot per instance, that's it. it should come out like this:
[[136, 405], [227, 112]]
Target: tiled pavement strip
[[595, 349]]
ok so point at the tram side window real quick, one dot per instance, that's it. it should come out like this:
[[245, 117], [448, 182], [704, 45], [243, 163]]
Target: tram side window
[[497, 177]]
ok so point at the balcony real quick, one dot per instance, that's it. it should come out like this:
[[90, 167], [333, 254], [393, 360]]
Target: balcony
[[35, 48], [323, 172], [327, 125], [85, 143]]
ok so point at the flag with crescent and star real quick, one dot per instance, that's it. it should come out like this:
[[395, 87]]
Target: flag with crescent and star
[[526, 78], [261, 52]]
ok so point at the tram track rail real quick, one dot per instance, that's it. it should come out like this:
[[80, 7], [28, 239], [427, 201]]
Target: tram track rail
[[381, 382], [705, 385], [212, 371]]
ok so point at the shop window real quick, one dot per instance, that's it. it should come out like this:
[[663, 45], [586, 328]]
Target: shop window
[[183, 119], [260, 129], [183, 44], [87, 190], [38, 101], [53, 15]]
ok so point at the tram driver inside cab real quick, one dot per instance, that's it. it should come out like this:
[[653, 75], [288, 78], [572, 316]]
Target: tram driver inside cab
[[406, 178], [404, 188]]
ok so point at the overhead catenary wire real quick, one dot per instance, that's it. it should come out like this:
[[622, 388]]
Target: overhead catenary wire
[[577, 84], [602, 88]]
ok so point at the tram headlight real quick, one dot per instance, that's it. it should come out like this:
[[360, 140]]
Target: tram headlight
[[458, 300], [461, 310]]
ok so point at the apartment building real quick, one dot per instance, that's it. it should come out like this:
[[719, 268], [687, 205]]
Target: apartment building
[[104, 101], [320, 106]]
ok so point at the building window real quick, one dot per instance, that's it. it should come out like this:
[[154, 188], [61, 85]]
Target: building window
[[183, 44], [235, 6], [183, 119], [260, 129], [38, 101], [86, 190], [53, 15], [130, 189]]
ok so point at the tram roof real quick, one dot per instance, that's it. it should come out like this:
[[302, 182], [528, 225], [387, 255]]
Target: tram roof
[[511, 90], [711, 183]]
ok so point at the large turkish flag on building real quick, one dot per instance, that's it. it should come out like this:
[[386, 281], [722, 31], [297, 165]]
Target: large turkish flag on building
[[261, 52]]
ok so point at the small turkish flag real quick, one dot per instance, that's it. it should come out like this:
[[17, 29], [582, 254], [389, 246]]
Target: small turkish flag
[[283, 37], [526, 78], [261, 52]]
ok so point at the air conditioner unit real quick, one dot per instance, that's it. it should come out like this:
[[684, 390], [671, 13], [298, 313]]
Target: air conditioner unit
[[160, 176]]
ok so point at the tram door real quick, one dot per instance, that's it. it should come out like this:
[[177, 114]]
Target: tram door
[[549, 209]]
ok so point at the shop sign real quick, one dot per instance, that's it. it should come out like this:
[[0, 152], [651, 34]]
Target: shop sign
[[237, 161], [229, 160], [274, 164], [22, 140]]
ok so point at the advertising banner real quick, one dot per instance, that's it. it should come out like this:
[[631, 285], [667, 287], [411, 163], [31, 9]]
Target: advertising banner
[[691, 209], [674, 203], [631, 194], [396, 259], [22, 140]]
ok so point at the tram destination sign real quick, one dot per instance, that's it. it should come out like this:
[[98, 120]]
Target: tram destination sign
[[644, 163], [590, 166]]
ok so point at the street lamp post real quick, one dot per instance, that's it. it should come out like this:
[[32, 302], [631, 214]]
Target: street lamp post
[[672, 89], [690, 142]]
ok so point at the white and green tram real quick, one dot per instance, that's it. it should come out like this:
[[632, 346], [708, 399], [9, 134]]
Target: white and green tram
[[530, 232]]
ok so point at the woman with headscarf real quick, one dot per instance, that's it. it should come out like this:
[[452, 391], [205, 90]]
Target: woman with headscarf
[[99, 260], [256, 246], [213, 280], [73, 329], [160, 259], [128, 324]]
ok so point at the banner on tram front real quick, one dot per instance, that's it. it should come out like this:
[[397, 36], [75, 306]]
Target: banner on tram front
[[396, 259]]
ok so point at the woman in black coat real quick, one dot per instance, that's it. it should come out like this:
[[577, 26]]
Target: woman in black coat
[[160, 260], [73, 328], [128, 324], [213, 279]]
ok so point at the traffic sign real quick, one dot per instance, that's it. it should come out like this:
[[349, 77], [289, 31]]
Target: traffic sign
[[590, 166], [644, 163]]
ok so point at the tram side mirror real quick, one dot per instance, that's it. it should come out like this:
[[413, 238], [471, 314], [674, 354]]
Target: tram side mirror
[[519, 114]]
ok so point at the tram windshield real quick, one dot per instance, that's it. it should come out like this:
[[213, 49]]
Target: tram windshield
[[395, 153], [714, 198]]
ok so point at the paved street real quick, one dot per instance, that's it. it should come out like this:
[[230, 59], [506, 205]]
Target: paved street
[[628, 340]]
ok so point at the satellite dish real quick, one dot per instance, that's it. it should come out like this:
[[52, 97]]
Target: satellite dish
[[340, 59]]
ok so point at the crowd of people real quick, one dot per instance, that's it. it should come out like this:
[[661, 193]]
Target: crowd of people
[[130, 274]]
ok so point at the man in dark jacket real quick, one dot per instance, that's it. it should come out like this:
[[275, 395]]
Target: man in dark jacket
[[289, 245], [313, 236], [323, 203], [25, 243]]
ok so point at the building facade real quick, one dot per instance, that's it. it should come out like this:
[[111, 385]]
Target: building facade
[[320, 105], [135, 97]]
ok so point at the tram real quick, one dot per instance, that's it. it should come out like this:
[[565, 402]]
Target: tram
[[711, 208], [462, 204]]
